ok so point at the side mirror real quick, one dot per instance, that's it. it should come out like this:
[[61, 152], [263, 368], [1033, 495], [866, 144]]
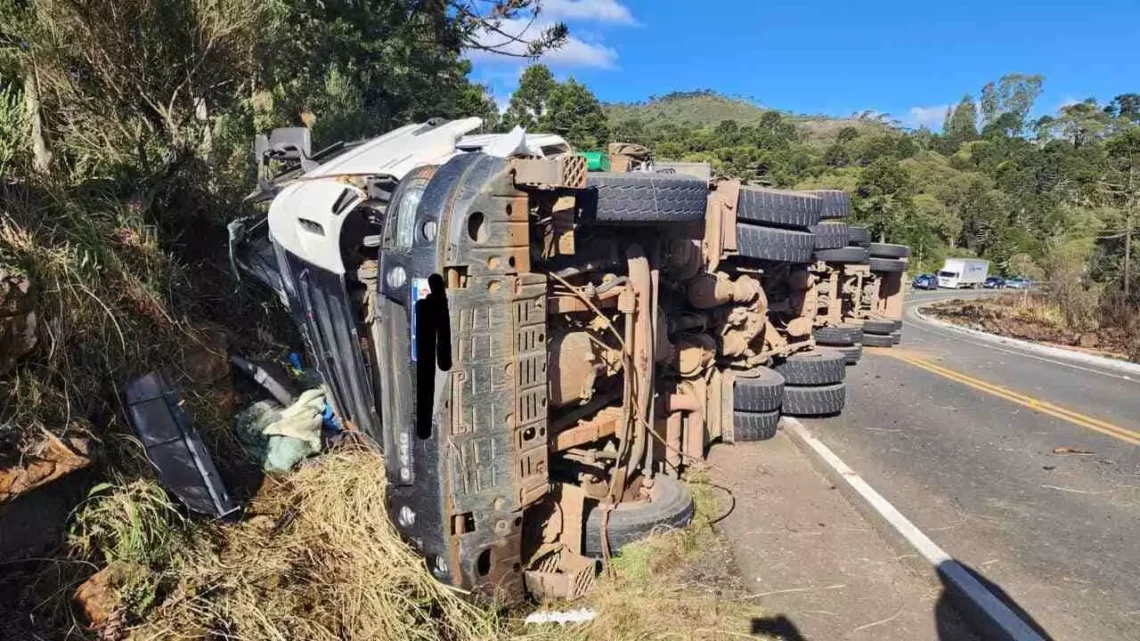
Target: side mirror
[[291, 143]]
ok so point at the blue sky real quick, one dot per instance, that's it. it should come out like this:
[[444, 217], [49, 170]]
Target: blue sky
[[837, 57]]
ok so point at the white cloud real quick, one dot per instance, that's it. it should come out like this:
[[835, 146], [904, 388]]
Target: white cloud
[[929, 117], [573, 53], [594, 10]]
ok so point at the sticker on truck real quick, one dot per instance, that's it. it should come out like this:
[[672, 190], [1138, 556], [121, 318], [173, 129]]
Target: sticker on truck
[[419, 291]]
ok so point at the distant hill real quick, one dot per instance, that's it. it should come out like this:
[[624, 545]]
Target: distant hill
[[706, 107]]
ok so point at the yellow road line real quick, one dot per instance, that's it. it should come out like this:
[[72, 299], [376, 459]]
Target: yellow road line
[[1056, 411]]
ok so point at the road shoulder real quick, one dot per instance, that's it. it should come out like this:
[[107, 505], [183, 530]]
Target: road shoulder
[[813, 561]]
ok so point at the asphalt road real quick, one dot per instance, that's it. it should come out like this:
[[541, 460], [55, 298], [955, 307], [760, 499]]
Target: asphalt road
[[960, 435]]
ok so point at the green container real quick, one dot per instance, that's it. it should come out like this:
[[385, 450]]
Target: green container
[[596, 161]]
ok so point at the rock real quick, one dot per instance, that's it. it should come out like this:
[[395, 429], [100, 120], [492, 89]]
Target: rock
[[57, 460], [17, 320], [99, 600], [1088, 340]]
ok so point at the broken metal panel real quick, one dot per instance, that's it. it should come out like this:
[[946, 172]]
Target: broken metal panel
[[174, 447]]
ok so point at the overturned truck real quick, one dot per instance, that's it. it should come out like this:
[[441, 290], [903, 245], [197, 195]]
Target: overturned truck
[[540, 350]]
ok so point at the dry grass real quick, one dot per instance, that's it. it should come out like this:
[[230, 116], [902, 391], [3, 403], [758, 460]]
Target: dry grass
[[318, 559]]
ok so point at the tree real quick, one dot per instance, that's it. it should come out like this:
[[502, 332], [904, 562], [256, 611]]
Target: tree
[[1122, 190], [1014, 94], [574, 113], [528, 102], [885, 197], [961, 123], [1126, 107], [1081, 122]]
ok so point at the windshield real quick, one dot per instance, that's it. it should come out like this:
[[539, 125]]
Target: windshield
[[948, 274]]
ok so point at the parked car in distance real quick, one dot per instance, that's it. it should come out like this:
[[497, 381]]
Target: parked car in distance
[[1018, 282], [925, 281], [994, 282]]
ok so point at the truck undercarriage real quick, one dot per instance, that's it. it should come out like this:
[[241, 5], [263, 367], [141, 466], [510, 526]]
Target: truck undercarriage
[[540, 351]]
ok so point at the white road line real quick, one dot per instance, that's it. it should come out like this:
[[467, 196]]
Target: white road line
[[990, 344], [993, 613]]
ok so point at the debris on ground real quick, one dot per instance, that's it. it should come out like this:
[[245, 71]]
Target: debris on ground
[[174, 447], [561, 617], [279, 437], [273, 378], [1072, 450]]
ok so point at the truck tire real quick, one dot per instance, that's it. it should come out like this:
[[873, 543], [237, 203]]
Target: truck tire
[[670, 507], [820, 366], [643, 197], [767, 243], [880, 326], [887, 264], [860, 236], [843, 335], [820, 400], [754, 426], [878, 340], [887, 250], [842, 255], [830, 235], [795, 209], [836, 202], [852, 353], [758, 390]]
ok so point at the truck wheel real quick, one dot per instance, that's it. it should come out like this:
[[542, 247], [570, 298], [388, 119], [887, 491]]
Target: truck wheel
[[754, 426], [878, 340], [860, 236], [643, 197], [767, 243], [820, 400], [670, 506], [852, 353], [841, 255], [829, 235], [843, 335], [836, 202], [881, 326], [887, 250], [758, 390], [779, 208], [887, 264], [820, 366]]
